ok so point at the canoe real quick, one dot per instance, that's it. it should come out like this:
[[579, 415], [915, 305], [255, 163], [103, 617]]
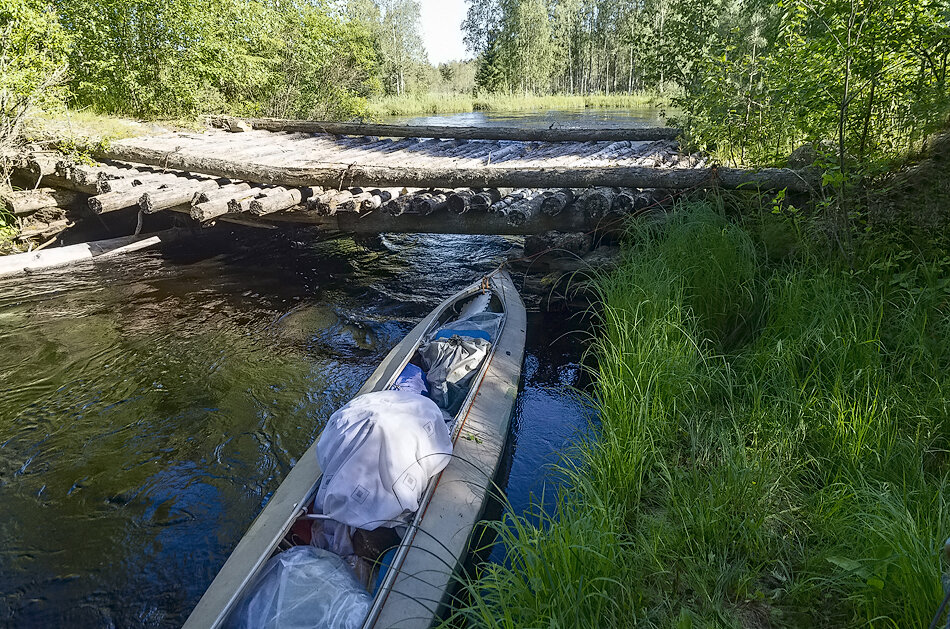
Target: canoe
[[418, 584]]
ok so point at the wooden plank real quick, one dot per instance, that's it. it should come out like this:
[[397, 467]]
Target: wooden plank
[[464, 133], [335, 176]]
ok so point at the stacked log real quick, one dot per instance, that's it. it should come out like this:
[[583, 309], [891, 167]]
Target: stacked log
[[554, 204]]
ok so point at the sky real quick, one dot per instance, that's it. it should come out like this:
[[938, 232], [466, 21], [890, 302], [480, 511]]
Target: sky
[[441, 29]]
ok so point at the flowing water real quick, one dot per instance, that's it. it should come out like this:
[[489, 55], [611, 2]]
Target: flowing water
[[151, 405]]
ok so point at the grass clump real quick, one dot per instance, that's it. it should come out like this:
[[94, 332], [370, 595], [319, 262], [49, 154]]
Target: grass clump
[[770, 448]]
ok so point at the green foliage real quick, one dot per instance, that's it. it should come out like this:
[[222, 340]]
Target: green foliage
[[868, 76], [32, 62], [178, 59], [795, 478]]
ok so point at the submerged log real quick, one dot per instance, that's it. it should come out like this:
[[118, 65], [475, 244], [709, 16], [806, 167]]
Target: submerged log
[[24, 202], [462, 133], [332, 176]]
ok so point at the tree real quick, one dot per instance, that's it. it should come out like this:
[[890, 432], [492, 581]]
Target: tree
[[33, 50], [403, 54]]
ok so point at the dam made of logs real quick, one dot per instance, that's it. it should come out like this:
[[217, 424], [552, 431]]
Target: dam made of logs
[[375, 178]]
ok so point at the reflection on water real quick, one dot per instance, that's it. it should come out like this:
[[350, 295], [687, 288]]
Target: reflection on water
[[560, 118], [149, 408]]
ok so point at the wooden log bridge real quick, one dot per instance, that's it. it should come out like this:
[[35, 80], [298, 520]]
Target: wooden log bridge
[[486, 180]]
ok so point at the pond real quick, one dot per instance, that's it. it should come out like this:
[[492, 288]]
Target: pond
[[151, 406]]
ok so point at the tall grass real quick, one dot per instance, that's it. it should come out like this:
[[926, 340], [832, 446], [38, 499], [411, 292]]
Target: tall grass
[[421, 104], [771, 449]]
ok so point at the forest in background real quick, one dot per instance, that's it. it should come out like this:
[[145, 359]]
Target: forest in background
[[752, 79]]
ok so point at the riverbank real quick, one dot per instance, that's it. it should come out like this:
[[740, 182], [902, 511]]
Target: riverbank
[[411, 104], [770, 452]]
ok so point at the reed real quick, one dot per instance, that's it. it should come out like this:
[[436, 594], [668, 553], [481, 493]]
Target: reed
[[770, 448]]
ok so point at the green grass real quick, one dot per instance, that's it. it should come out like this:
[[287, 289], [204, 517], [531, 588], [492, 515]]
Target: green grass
[[771, 447], [420, 104]]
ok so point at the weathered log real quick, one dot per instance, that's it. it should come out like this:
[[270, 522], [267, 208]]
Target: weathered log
[[521, 212], [354, 203], [24, 202], [281, 199], [554, 204], [429, 203], [63, 256], [509, 199], [146, 179], [624, 201], [114, 201], [164, 198], [597, 201], [380, 196], [482, 201], [460, 200], [226, 193], [332, 176], [242, 202], [463, 133], [44, 229]]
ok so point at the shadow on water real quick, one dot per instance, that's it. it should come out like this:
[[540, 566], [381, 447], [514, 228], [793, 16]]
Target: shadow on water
[[151, 407]]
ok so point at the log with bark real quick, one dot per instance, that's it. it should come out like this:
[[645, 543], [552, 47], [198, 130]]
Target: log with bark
[[521, 212], [333, 176], [462, 133]]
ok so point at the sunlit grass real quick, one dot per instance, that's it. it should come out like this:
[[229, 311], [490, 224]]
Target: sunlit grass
[[425, 104], [770, 449]]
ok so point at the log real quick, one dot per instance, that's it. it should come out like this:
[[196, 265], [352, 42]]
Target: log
[[24, 202], [242, 203], [624, 202], [114, 201], [429, 203], [554, 204], [281, 199], [597, 201], [521, 212], [332, 176], [509, 199], [63, 256], [226, 192], [157, 200], [355, 202], [379, 197], [44, 229], [462, 133], [460, 200], [482, 201]]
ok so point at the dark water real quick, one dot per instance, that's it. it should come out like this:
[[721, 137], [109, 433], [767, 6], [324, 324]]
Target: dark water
[[150, 407], [560, 118]]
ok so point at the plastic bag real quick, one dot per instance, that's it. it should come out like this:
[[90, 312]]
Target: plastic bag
[[483, 325], [378, 453], [412, 379], [451, 364], [303, 587]]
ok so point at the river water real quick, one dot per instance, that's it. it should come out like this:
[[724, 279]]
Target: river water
[[585, 118], [149, 407]]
